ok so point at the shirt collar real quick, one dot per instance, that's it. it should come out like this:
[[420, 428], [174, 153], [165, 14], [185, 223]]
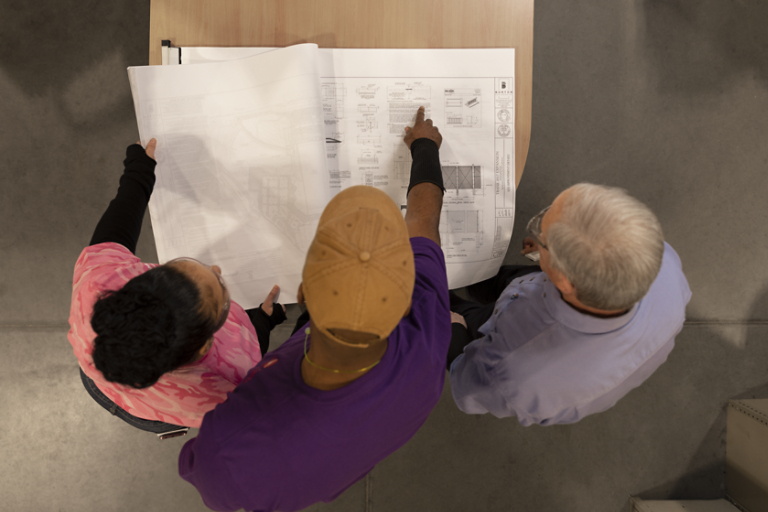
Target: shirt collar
[[581, 322]]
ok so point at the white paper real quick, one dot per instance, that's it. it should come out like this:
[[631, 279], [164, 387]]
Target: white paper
[[368, 98], [241, 176]]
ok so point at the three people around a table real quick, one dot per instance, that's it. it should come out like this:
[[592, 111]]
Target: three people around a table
[[366, 364]]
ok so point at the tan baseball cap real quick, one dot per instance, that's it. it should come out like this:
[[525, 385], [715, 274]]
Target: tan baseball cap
[[359, 272]]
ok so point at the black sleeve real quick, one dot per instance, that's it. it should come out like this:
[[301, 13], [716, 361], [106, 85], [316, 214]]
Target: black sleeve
[[460, 338], [264, 323], [426, 164], [121, 223]]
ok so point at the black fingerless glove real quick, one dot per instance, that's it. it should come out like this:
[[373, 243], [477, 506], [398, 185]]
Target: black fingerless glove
[[276, 318], [426, 164], [137, 159], [264, 323]]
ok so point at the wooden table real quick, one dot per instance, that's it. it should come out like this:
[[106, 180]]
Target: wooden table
[[359, 24]]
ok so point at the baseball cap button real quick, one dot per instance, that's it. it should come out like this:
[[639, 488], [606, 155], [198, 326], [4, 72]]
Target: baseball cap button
[[365, 256]]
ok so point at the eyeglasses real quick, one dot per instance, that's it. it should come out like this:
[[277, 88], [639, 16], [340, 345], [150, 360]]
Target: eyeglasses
[[227, 303], [534, 227]]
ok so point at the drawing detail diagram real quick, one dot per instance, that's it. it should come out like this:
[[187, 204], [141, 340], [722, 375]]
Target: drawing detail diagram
[[462, 107]]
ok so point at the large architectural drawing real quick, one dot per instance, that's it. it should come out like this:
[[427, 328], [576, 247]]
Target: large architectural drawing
[[365, 99], [242, 175]]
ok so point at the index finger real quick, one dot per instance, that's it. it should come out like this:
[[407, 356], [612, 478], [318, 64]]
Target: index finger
[[420, 115]]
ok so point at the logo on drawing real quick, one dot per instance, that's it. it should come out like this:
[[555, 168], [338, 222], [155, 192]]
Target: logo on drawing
[[503, 85]]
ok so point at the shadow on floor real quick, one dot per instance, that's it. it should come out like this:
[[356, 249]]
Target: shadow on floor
[[55, 42], [700, 46], [705, 476]]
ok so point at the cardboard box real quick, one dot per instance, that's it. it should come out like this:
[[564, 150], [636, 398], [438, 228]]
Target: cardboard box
[[746, 454]]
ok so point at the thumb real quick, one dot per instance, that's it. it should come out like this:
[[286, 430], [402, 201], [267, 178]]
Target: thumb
[[151, 145], [271, 297], [407, 129]]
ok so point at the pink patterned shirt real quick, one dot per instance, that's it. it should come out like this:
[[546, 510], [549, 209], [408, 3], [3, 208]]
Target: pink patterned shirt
[[182, 396]]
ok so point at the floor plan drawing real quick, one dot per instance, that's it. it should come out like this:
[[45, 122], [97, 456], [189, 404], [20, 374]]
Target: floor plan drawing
[[462, 177], [369, 97], [461, 221], [465, 228], [276, 193]]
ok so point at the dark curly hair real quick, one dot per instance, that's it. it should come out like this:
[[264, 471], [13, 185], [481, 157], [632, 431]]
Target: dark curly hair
[[151, 326]]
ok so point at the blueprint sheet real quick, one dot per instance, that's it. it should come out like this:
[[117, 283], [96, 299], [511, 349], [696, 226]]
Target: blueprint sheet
[[369, 96], [242, 176]]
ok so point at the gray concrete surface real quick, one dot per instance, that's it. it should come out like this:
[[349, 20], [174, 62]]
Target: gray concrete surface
[[664, 98]]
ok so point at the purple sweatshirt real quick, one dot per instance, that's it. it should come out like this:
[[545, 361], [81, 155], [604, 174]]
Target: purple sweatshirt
[[278, 444]]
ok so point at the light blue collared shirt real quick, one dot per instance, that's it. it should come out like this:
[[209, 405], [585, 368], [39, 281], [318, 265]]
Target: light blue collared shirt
[[546, 363]]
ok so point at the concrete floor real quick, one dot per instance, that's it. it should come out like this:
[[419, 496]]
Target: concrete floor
[[664, 98]]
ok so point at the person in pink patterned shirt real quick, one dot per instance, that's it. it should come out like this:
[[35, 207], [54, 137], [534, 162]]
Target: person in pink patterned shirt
[[158, 343]]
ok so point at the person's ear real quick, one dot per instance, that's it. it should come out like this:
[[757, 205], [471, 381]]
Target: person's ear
[[206, 347], [562, 283], [566, 286]]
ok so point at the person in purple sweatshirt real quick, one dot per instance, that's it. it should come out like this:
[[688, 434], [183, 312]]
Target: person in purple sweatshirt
[[356, 381]]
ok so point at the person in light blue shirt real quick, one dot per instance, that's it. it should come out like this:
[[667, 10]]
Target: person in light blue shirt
[[573, 337]]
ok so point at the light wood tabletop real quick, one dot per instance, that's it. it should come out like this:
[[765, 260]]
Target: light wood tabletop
[[359, 24]]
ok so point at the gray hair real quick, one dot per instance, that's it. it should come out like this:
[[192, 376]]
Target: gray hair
[[608, 244]]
